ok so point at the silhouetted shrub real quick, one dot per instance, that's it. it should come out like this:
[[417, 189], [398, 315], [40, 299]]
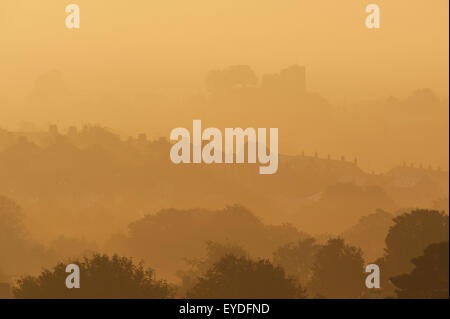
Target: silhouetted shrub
[[429, 279], [101, 277], [241, 277], [338, 271]]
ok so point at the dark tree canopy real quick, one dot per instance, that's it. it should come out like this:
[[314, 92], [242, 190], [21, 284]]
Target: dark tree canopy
[[429, 279], [101, 277], [411, 234], [216, 251], [241, 277], [338, 271], [407, 238], [199, 266]]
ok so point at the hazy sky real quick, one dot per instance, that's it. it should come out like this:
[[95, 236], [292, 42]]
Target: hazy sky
[[168, 46]]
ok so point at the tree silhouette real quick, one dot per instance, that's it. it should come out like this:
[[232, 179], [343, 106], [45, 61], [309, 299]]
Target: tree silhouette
[[165, 239], [407, 238], [338, 271], [199, 266], [370, 233], [429, 279], [412, 232], [297, 258], [18, 252], [101, 277], [241, 277]]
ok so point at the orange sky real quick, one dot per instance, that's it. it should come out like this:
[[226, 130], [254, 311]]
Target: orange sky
[[168, 46]]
